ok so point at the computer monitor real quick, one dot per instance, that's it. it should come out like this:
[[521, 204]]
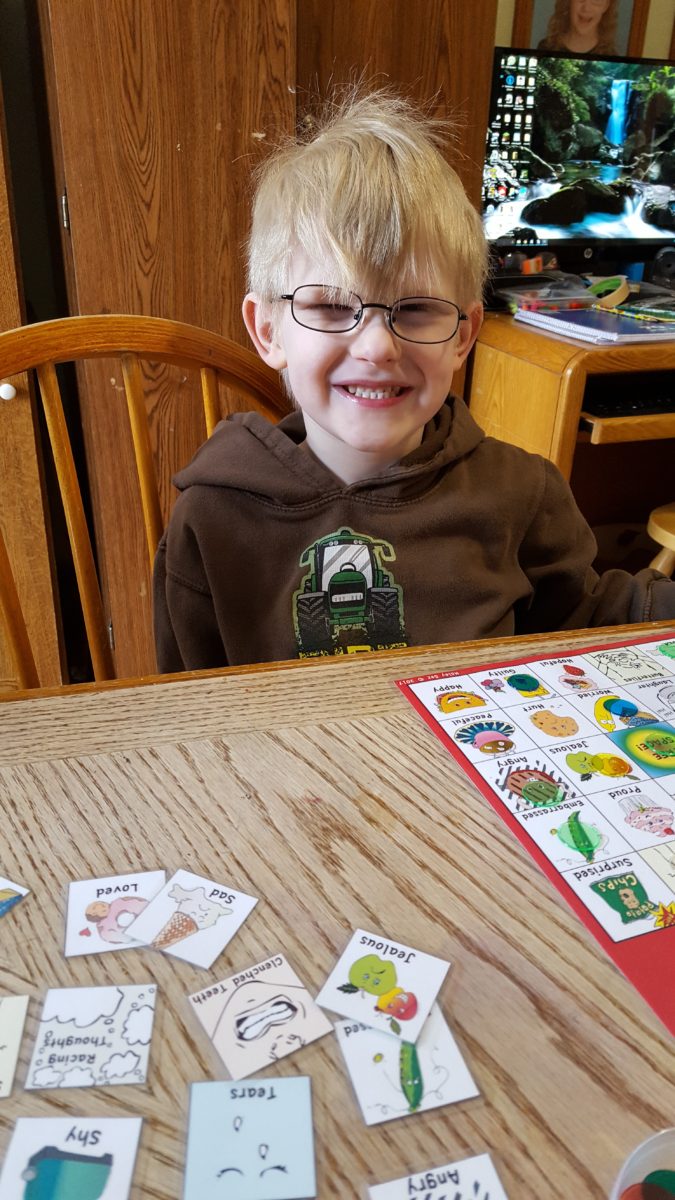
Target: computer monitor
[[580, 158]]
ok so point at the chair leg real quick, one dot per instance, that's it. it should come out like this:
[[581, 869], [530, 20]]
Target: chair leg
[[664, 562]]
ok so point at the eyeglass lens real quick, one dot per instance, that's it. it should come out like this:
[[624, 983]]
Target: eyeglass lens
[[414, 318]]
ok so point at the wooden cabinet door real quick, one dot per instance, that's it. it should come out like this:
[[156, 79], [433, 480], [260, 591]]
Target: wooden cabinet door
[[21, 506], [162, 108]]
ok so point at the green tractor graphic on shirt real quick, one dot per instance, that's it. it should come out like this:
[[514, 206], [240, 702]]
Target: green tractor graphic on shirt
[[347, 601]]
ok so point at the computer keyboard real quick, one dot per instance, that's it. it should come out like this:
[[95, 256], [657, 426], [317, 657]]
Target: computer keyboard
[[633, 405]]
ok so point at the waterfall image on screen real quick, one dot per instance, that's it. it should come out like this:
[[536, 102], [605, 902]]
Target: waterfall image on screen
[[580, 148]]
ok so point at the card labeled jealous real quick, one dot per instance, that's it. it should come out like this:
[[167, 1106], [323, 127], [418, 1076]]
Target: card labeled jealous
[[193, 918], [471, 1179], [251, 1141], [55, 1158], [259, 1015], [100, 911], [384, 984], [393, 1078], [93, 1037]]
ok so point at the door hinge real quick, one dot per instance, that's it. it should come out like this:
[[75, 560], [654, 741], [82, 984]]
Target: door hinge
[[65, 214], [111, 635]]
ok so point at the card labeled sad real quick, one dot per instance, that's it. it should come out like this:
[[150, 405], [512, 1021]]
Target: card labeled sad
[[384, 984], [251, 1141], [54, 1158], [471, 1179], [193, 918], [100, 911]]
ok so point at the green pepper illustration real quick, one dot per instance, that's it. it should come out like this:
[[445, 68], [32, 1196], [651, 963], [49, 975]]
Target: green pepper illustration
[[410, 1075], [586, 839]]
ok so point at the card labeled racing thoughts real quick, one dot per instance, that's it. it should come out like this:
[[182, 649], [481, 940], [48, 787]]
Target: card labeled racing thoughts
[[393, 1078], [251, 1141], [471, 1179], [100, 911], [259, 1015], [193, 918], [93, 1037], [55, 1158], [384, 984]]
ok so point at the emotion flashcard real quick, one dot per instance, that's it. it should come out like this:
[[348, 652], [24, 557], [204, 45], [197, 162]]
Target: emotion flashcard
[[10, 895], [511, 685], [651, 747], [642, 813], [101, 910], [384, 984], [624, 664], [12, 1020], [251, 1141], [193, 918], [470, 1179], [573, 834], [487, 736], [606, 709], [547, 721], [528, 782], [568, 675], [447, 696], [594, 764], [393, 1078], [55, 1158], [94, 1036], [625, 896], [259, 1015]]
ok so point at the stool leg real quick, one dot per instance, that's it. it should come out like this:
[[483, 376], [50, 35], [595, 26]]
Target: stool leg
[[664, 562]]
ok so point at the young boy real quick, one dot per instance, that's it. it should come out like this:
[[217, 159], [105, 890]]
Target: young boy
[[377, 514]]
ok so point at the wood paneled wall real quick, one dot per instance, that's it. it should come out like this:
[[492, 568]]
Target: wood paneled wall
[[162, 110]]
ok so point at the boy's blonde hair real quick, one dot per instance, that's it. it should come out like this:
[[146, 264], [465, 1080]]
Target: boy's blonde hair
[[368, 192]]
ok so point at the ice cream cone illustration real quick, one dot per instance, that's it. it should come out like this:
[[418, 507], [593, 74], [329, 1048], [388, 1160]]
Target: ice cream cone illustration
[[179, 926]]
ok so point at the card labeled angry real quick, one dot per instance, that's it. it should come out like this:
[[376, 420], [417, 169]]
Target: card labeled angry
[[94, 1036], [393, 1078], [471, 1179], [12, 1019], [384, 984], [10, 894], [100, 911], [259, 1015], [55, 1158], [193, 918], [251, 1141]]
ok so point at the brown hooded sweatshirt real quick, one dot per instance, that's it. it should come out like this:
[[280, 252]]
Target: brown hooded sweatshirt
[[269, 556]]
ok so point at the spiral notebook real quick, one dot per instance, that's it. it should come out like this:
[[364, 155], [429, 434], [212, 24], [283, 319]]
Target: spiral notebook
[[598, 326]]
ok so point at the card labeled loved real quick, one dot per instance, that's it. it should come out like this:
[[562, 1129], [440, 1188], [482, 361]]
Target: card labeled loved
[[193, 918], [100, 911], [12, 1019], [56, 1158], [393, 1078], [10, 894], [384, 984], [251, 1141], [471, 1179], [259, 1015], [90, 1037]]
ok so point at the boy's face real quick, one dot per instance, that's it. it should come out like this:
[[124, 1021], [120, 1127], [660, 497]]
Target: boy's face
[[405, 383]]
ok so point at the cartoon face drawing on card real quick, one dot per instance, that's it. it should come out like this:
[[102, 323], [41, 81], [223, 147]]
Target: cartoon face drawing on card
[[265, 1016], [110, 918], [255, 1158], [588, 765], [490, 737], [536, 788], [526, 685], [378, 978], [449, 702], [575, 679], [611, 712], [648, 817], [579, 836]]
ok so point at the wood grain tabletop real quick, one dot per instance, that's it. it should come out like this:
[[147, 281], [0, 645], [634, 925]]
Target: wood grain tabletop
[[317, 788]]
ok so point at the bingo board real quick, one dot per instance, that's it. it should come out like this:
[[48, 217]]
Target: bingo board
[[577, 754]]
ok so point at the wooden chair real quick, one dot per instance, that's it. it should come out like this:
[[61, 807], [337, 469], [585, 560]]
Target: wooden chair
[[661, 527], [40, 347]]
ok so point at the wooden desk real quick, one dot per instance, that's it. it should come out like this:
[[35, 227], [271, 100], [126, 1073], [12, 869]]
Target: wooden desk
[[528, 388], [317, 788]]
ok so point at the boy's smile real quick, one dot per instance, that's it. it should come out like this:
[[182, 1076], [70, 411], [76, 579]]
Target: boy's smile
[[366, 394]]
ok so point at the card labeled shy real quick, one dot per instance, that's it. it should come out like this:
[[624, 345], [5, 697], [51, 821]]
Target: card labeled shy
[[470, 1179], [12, 1019], [384, 984], [393, 1078], [251, 1141], [100, 911], [56, 1158], [94, 1036], [193, 918], [259, 1015], [10, 894]]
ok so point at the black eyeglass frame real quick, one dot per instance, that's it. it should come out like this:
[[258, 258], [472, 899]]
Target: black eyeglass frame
[[388, 309]]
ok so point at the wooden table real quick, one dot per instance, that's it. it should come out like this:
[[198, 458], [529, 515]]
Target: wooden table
[[317, 788]]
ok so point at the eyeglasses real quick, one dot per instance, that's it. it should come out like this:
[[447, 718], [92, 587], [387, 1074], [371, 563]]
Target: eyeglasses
[[412, 318]]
